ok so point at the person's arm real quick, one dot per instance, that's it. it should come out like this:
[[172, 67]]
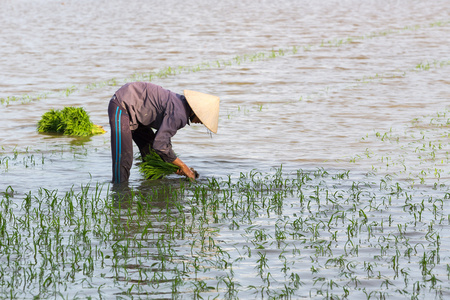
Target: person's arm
[[184, 169]]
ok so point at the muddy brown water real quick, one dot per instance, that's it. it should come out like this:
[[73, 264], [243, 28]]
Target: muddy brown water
[[336, 76]]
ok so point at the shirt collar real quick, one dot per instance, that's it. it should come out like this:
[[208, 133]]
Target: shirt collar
[[187, 108]]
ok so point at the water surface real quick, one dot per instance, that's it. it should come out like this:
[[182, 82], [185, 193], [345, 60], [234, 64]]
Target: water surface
[[335, 86]]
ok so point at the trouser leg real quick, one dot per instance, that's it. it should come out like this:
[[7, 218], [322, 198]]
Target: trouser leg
[[143, 136], [121, 142]]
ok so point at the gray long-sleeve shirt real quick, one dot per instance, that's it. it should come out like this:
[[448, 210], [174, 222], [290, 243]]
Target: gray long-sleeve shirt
[[151, 105]]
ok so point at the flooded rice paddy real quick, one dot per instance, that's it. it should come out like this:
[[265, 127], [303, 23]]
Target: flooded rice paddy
[[328, 178]]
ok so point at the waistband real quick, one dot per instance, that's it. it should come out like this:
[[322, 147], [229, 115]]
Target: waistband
[[120, 103]]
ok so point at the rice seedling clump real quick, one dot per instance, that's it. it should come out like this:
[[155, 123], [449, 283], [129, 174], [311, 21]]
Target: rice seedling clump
[[154, 167], [68, 121]]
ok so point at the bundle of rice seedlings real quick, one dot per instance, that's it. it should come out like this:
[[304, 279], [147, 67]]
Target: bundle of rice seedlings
[[68, 121], [153, 167]]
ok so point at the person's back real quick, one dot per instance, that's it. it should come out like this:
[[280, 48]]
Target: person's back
[[146, 103]]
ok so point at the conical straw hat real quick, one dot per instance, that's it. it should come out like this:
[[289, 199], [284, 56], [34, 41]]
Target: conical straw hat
[[205, 107]]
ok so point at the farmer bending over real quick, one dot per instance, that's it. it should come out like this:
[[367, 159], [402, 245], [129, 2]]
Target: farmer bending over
[[139, 107]]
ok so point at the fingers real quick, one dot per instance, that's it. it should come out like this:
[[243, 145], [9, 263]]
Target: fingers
[[190, 174], [187, 172], [196, 175]]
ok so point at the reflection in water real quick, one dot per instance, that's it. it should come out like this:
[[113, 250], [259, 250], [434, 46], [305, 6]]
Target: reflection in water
[[158, 240]]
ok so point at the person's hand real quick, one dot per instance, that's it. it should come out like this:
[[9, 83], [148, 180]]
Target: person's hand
[[189, 173], [184, 169], [180, 172]]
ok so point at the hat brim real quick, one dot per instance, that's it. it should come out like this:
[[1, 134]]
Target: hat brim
[[205, 107]]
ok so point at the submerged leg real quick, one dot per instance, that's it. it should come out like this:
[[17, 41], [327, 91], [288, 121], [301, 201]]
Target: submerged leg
[[121, 142]]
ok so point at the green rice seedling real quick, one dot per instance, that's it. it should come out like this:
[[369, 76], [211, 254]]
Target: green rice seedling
[[68, 121], [153, 167], [70, 90], [237, 60]]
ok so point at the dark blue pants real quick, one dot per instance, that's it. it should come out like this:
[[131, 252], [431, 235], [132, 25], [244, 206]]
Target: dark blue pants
[[122, 138]]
